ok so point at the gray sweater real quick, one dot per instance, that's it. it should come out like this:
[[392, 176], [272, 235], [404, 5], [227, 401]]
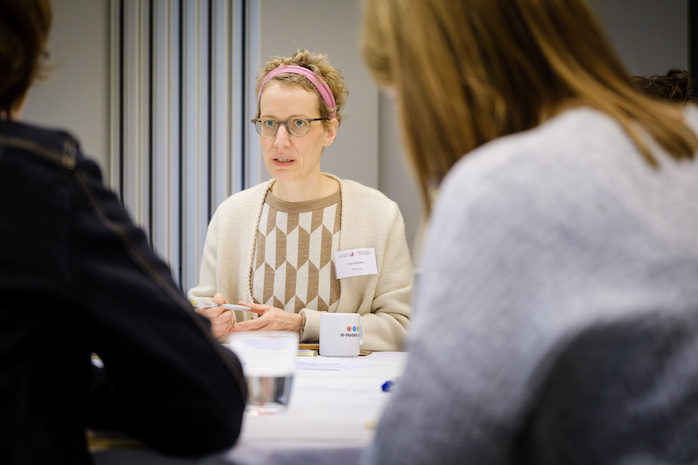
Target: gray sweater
[[556, 316]]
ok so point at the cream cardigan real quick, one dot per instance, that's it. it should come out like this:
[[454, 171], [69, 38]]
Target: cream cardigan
[[368, 219]]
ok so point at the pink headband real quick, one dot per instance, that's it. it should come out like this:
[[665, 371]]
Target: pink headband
[[316, 80]]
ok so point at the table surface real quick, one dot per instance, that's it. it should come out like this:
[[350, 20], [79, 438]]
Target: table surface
[[334, 408]]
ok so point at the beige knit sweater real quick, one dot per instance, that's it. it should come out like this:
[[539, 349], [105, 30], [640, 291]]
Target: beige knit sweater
[[369, 219]]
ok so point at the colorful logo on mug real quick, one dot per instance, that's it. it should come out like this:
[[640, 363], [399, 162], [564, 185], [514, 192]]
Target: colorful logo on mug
[[352, 328]]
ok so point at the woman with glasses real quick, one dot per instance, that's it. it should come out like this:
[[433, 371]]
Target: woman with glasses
[[280, 247]]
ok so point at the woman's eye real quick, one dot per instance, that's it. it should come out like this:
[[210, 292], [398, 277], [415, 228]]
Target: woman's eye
[[299, 123], [270, 123]]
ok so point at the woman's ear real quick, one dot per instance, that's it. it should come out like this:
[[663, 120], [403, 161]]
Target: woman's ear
[[331, 132]]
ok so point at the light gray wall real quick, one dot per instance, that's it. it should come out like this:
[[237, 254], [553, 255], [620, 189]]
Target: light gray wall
[[650, 36], [396, 178], [76, 95]]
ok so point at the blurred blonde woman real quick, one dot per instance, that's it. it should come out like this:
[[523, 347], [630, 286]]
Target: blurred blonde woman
[[273, 247], [555, 317]]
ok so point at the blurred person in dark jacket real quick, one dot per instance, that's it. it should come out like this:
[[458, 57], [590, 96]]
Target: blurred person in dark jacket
[[77, 278]]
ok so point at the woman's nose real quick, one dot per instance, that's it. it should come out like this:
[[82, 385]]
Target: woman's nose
[[282, 137]]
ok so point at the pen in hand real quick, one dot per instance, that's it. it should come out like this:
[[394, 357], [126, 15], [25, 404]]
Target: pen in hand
[[240, 308]]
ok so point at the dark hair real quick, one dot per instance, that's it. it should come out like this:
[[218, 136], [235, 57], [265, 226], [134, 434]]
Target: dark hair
[[675, 86], [24, 30]]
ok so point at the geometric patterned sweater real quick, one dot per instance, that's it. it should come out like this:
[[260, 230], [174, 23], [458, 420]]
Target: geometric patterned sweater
[[368, 219], [293, 267]]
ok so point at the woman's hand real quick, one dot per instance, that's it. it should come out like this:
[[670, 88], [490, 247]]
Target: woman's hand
[[222, 320], [271, 319]]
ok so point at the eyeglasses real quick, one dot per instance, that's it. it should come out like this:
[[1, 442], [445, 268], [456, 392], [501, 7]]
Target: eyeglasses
[[267, 127]]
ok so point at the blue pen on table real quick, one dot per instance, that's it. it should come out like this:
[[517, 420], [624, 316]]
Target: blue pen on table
[[389, 385]]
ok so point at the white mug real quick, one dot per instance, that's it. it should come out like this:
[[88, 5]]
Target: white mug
[[341, 334]]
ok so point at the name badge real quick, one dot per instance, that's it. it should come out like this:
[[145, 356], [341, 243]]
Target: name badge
[[355, 262]]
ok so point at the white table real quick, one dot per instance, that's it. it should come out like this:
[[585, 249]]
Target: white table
[[330, 420]]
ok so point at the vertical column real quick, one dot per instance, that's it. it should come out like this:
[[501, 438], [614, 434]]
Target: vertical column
[[135, 173], [222, 130], [115, 64], [195, 134], [165, 123]]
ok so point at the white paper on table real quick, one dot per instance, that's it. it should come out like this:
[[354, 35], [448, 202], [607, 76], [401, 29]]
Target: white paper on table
[[328, 407], [321, 409], [331, 363]]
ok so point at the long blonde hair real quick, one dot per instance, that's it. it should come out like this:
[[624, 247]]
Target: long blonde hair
[[468, 71]]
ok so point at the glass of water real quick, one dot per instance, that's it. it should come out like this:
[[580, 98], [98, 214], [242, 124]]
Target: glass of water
[[268, 361]]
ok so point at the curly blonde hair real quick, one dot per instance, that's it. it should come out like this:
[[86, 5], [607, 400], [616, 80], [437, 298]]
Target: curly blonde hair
[[319, 64]]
